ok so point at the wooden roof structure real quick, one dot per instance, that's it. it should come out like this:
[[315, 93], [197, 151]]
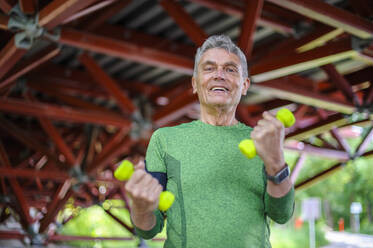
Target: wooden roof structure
[[83, 83]]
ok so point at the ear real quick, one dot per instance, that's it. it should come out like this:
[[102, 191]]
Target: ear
[[246, 85], [194, 85]]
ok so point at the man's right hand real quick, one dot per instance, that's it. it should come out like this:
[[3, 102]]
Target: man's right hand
[[144, 191]]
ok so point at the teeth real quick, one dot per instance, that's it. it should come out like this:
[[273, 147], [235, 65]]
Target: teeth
[[218, 88]]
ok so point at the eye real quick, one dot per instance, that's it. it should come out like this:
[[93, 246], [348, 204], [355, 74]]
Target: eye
[[231, 69], [208, 68]]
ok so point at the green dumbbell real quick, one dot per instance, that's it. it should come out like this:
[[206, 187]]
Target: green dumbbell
[[125, 171], [247, 146]]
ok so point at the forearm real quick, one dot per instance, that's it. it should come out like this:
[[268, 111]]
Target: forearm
[[279, 200]]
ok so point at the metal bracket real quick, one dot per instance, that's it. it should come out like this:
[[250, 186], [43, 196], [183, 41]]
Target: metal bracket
[[79, 176], [359, 44], [37, 239], [28, 29], [140, 126]]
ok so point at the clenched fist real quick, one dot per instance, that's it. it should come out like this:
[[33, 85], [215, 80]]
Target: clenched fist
[[268, 136], [143, 190]]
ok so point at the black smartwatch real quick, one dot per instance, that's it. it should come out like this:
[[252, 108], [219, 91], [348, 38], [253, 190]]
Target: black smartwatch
[[280, 176]]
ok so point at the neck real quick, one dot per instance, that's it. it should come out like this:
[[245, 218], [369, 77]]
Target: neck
[[218, 116]]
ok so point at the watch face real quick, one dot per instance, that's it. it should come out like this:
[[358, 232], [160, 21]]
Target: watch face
[[284, 174]]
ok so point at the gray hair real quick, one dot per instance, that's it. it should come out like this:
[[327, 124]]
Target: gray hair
[[224, 42]]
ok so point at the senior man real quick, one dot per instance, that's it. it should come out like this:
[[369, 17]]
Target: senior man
[[223, 199]]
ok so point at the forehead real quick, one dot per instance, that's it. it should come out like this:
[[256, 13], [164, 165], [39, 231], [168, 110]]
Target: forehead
[[219, 56]]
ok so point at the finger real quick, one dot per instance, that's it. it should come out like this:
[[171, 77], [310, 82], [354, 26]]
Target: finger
[[145, 182], [153, 190], [268, 116], [136, 177], [140, 165]]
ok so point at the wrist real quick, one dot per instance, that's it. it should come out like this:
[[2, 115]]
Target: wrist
[[273, 168], [144, 221]]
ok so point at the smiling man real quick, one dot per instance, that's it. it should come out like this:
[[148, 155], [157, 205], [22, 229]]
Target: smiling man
[[223, 199]]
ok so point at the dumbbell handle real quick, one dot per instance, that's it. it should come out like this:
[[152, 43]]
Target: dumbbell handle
[[124, 173], [247, 146]]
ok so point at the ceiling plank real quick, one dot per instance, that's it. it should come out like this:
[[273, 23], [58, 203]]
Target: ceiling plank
[[248, 26], [185, 21], [9, 56], [106, 82], [288, 88], [329, 15], [290, 63], [29, 64], [126, 50], [62, 113]]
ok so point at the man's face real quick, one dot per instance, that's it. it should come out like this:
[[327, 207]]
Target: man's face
[[219, 80]]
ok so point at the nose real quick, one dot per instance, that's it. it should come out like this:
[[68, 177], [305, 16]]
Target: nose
[[219, 74]]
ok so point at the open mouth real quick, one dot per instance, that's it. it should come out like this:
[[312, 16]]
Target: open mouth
[[219, 89]]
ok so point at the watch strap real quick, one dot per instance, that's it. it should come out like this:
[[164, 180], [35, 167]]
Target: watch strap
[[280, 176]]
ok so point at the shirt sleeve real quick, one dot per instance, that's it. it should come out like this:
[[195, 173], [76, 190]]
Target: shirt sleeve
[[154, 163], [280, 209], [155, 154]]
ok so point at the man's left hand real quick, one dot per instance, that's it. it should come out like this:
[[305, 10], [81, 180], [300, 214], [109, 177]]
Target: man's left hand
[[268, 136]]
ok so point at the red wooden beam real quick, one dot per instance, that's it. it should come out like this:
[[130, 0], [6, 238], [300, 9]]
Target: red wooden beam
[[126, 50], [131, 229], [58, 176], [60, 198], [146, 40], [289, 88], [103, 79], [17, 190], [317, 37], [362, 7], [27, 6], [185, 21], [297, 167], [62, 113], [28, 65], [329, 15], [4, 22], [58, 141], [56, 91], [310, 181], [113, 142], [291, 63], [58, 10], [95, 21], [9, 56], [5, 6], [318, 151], [88, 10], [369, 98], [230, 8], [27, 139], [321, 126], [365, 142], [176, 108], [341, 83], [248, 26], [340, 140], [99, 164], [12, 235]]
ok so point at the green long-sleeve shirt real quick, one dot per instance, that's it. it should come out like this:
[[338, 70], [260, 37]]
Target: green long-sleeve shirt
[[221, 198]]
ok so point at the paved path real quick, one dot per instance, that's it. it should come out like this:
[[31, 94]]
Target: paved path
[[348, 240]]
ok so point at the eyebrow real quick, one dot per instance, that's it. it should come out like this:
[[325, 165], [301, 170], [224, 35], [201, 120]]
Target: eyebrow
[[230, 63]]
